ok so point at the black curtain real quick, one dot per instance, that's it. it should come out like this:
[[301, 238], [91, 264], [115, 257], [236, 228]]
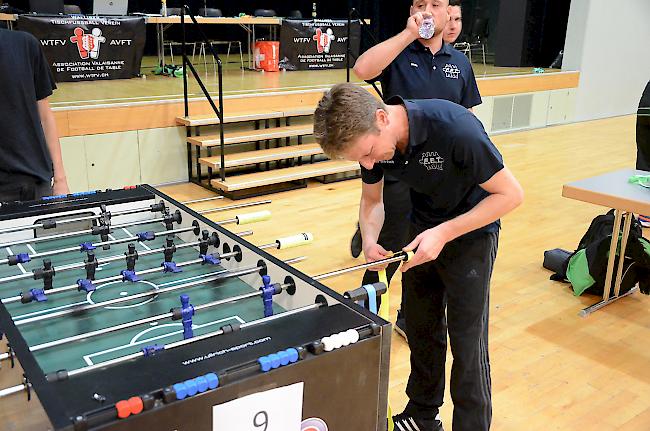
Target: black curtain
[[531, 32]]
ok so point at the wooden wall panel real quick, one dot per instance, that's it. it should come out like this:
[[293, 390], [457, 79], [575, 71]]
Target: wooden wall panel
[[528, 83], [75, 122]]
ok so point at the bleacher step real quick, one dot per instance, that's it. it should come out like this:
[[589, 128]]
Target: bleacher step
[[251, 135], [275, 176], [260, 156]]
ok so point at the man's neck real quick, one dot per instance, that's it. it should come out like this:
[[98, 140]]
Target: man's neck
[[400, 122], [434, 44]]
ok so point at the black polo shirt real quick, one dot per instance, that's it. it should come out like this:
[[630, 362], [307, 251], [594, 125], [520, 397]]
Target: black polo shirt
[[417, 74], [448, 155], [25, 78]]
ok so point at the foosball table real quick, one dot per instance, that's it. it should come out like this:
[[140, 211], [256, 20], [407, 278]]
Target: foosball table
[[128, 310]]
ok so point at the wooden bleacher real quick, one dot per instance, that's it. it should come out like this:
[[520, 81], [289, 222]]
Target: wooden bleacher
[[261, 156], [259, 179], [269, 167], [251, 135]]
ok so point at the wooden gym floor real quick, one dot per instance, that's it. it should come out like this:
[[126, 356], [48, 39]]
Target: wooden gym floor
[[551, 369]]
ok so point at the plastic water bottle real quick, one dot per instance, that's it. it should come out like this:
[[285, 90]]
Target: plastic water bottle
[[163, 11], [427, 28]]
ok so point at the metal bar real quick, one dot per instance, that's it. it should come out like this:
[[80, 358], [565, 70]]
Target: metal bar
[[80, 232], [612, 255], [14, 390], [189, 157], [397, 258], [99, 262], [120, 299], [135, 323], [73, 220], [222, 168], [170, 346], [218, 111], [597, 306], [70, 287], [347, 47], [235, 206], [185, 98], [194, 201], [100, 244], [621, 259]]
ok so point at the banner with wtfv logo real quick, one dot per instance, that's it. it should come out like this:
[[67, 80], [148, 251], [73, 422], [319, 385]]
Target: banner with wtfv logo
[[88, 48], [317, 44]]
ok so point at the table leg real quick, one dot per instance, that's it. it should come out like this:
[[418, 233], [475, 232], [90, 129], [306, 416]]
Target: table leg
[[621, 260], [610, 265], [160, 47], [250, 47], [612, 254], [253, 49]]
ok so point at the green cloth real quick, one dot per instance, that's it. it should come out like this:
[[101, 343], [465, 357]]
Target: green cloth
[[642, 180], [646, 245], [578, 273]]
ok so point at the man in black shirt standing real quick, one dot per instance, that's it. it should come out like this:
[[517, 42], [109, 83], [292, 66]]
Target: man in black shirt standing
[[459, 190], [30, 153], [415, 68], [643, 141]]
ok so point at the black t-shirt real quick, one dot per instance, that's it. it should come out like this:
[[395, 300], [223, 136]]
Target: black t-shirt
[[416, 73], [447, 157], [643, 131], [25, 78]]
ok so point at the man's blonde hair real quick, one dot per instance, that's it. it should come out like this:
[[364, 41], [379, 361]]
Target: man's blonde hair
[[345, 112]]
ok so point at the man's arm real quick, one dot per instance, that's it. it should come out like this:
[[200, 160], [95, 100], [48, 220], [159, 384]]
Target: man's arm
[[372, 62], [371, 219], [54, 146], [505, 195]]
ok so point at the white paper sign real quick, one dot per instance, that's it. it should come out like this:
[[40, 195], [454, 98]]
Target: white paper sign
[[274, 410]]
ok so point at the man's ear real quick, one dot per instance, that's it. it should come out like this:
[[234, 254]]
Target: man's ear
[[381, 117]]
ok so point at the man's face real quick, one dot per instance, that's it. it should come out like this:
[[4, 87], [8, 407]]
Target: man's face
[[373, 147], [454, 26], [436, 8]]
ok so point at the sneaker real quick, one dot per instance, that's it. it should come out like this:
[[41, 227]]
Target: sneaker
[[356, 243], [644, 220], [400, 325], [406, 422]]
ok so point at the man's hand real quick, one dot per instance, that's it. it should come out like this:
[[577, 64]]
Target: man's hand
[[60, 186], [373, 252], [429, 244], [414, 22]]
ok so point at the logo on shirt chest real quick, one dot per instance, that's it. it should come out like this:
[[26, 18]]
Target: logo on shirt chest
[[432, 161], [451, 71]]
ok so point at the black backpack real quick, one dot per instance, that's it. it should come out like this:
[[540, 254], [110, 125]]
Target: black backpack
[[591, 256]]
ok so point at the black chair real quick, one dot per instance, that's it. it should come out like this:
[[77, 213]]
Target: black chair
[[47, 7], [264, 12], [72, 9], [172, 11], [210, 12], [216, 13], [176, 11], [478, 35]]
